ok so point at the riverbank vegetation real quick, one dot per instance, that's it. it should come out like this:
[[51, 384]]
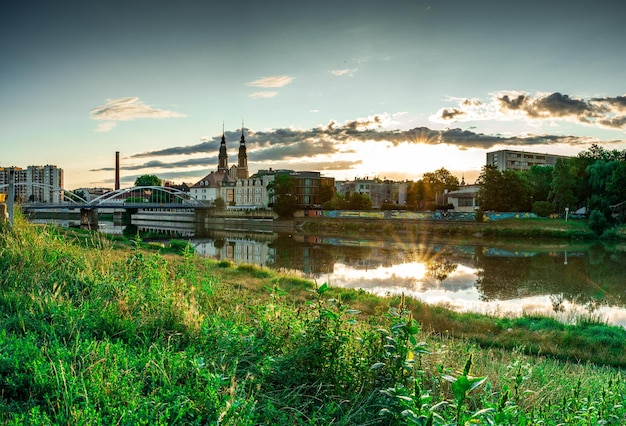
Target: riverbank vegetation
[[541, 228], [92, 332]]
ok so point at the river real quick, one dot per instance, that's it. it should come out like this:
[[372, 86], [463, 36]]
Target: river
[[494, 277], [487, 276]]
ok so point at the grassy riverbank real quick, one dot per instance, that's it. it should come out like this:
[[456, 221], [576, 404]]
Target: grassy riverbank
[[509, 228], [96, 333]]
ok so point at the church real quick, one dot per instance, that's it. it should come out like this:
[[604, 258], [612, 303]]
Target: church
[[233, 185], [239, 190]]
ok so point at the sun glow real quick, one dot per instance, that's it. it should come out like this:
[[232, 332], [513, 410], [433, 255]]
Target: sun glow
[[405, 160]]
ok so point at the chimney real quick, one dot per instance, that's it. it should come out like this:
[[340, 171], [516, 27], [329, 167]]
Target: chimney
[[117, 170]]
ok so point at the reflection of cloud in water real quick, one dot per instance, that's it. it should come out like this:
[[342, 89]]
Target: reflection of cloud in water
[[457, 292], [407, 277]]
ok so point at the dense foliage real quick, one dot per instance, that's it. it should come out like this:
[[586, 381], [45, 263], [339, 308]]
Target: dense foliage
[[281, 192], [427, 193], [148, 180], [94, 335], [595, 179]]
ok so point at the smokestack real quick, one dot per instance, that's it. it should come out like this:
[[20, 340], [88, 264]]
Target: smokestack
[[117, 170]]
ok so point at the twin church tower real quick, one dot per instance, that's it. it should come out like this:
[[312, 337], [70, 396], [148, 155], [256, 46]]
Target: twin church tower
[[241, 170]]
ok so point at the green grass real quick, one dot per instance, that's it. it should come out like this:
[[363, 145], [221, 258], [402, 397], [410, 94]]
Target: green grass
[[95, 333]]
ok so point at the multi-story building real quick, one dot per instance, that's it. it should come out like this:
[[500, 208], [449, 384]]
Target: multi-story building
[[253, 191], [42, 184], [520, 160], [380, 191]]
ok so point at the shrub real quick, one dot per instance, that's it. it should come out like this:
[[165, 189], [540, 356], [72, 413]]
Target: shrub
[[543, 208], [597, 222]]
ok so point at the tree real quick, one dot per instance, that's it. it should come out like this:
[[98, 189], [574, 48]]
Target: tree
[[148, 180], [506, 191], [597, 222], [539, 180], [219, 203], [281, 191], [336, 203], [438, 182], [563, 185], [326, 193], [517, 194], [491, 187], [360, 201]]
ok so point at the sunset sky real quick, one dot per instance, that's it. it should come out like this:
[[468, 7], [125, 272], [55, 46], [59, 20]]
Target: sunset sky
[[390, 89]]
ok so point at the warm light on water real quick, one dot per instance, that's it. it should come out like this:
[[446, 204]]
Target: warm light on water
[[458, 292], [563, 280]]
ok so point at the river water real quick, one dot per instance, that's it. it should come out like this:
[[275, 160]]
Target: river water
[[478, 275], [494, 277]]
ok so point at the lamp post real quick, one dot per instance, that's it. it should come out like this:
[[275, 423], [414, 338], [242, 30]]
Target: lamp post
[[11, 195]]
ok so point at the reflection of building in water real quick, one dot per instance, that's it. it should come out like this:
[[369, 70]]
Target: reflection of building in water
[[238, 250]]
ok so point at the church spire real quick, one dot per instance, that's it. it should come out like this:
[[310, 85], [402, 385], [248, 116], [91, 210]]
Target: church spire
[[222, 160], [242, 165]]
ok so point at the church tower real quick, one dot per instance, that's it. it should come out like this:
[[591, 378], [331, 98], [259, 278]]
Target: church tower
[[242, 166], [222, 159]]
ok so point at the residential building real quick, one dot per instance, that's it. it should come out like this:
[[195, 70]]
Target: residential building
[[42, 184], [252, 191], [464, 199], [213, 186], [380, 192], [520, 160], [92, 193]]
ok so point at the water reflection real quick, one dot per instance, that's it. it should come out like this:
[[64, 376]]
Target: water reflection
[[493, 277]]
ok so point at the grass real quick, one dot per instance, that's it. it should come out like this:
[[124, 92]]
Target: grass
[[92, 332]]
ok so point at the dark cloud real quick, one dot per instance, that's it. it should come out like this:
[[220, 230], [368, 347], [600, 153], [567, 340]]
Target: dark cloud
[[451, 113], [191, 162], [553, 105], [292, 145], [617, 103], [205, 146], [603, 112]]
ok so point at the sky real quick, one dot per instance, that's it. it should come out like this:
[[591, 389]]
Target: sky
[[351, 89]]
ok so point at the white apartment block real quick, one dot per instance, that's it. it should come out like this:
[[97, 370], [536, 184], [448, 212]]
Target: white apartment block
[[40, 184], [520, 160]]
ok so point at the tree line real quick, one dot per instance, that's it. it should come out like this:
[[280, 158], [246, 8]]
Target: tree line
[[595, 179]]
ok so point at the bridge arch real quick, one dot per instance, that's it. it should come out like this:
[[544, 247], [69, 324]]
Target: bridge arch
[[152, 194], [64, 194]]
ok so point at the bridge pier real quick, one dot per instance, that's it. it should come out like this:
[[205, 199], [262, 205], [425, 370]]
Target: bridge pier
[[89, 219]]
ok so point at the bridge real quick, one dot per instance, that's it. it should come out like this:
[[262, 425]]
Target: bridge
[[127, 198], [134, 198]]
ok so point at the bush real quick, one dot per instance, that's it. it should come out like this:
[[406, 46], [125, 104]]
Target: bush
[[543, 208], [597, 222]]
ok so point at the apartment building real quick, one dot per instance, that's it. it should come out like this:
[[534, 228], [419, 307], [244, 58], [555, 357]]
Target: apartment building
[[520, 160], [40, 184]]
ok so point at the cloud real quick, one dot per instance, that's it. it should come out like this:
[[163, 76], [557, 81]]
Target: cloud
[[155, 164], [263, 95], [274, 81], [609, 112], [342, 72], [105, 126], [317, 144], [126, 109]]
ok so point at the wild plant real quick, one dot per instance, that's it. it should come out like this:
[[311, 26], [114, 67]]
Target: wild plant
[[461, 386], [399, 372]]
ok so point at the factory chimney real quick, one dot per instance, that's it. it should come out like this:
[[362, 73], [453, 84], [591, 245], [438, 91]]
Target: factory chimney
[[117, 170]]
